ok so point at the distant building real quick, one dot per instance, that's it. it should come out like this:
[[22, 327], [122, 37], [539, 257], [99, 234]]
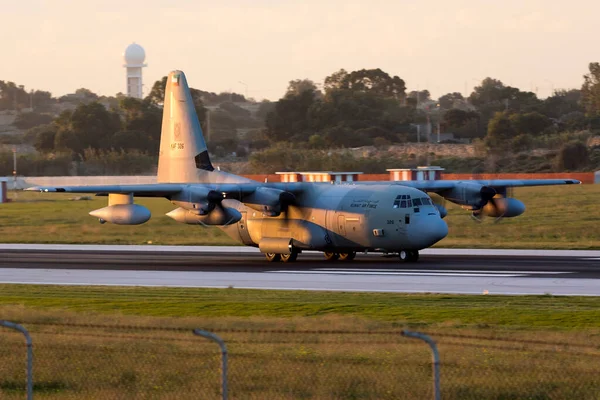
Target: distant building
[[134, 57], [319, 176], [416, 174]]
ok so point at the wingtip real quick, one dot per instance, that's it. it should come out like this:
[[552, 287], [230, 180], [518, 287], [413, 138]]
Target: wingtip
[[44, 189]]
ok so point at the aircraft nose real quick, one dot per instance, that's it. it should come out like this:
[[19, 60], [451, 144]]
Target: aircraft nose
[[428, 231]]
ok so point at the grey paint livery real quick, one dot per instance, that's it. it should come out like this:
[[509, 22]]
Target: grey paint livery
[[282, 219]]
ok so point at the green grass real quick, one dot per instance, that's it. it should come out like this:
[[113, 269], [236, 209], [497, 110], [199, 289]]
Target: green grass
[[560, 217], [110, 342], [518, 312]]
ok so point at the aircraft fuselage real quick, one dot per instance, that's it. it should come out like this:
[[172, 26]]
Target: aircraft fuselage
[[347, 218]]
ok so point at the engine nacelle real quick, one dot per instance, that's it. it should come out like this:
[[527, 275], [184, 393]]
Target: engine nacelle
[[269, 201], [218, 216], [442, 210], [122, 214], [470, 194], [505, 207], [198, 199]]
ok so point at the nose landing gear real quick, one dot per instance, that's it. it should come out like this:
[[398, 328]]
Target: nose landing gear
[[408, 255]]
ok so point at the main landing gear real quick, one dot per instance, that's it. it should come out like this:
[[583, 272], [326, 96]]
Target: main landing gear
[[408, 255], [275, 257], [340, 256]]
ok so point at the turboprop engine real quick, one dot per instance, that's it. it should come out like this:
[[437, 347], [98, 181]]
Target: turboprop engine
[[218, 216], [503, 207], [271, 202], [122, 214]]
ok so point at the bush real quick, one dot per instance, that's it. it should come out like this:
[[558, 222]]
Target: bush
[[572, 156]]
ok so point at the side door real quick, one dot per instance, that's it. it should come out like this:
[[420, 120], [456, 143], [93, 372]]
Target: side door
[[243, 228], [341, 224]]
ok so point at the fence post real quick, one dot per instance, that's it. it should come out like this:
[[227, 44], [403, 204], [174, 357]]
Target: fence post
[[221, 343], [436, 359], [24, 331]]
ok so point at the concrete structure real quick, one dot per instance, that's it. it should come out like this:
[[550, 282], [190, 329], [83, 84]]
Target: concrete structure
[[415, 174], [3, 190], [134, 57], [319, 176]]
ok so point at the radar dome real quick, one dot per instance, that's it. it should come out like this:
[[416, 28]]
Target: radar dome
[[134, 54]]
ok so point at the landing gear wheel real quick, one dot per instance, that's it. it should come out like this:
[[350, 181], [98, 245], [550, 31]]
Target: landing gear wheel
[[404, 255], [408, 255], [273, 257], [347, 256], [289, 257], [414, 257], [331, 256]]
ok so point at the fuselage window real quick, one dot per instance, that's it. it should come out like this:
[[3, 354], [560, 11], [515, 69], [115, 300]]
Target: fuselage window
[[403, 204], [409, 203], [416, 202], [426, 201]]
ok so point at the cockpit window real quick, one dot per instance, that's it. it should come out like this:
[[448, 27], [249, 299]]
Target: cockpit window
[[404, 201]]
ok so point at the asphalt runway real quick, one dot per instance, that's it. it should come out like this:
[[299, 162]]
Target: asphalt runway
[[439, 270]]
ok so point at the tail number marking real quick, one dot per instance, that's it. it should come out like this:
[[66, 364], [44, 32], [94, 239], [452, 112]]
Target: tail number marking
[[177, 146]]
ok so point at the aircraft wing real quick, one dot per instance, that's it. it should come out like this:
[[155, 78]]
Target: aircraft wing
[[444, 185], [230, 190], [148, 190]]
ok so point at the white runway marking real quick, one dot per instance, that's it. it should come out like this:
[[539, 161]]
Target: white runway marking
[[342, 272], [458, 271]]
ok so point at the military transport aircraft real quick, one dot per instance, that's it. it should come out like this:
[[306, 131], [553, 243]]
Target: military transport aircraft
[[283, 219]]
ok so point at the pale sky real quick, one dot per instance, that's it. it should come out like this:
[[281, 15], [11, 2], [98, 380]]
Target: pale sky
[[440, 45]]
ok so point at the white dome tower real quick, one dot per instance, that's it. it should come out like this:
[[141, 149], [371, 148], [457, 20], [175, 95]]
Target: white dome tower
[[134, 57]]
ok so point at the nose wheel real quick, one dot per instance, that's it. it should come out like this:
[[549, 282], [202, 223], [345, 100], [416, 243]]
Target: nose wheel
[[408, 255]]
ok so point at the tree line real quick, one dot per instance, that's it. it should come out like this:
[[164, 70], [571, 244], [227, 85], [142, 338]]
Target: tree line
[[351, 109]]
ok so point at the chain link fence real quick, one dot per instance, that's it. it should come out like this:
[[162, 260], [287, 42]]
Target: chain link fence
[[132, 362]]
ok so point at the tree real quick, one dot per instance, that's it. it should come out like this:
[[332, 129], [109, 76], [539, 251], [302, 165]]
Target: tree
[[494, 92], [590, 91], [89, 125], [462, 123], [532, 123], [419, 95], [336, 81], [44, 138], [450, 100], [132, 140], [289, 120], [12, 96], [264, 108], [297, 86], [86, 94], [157, 93], [500, 132], [367, 80], [562, 102], [456, 117], [574, 121]]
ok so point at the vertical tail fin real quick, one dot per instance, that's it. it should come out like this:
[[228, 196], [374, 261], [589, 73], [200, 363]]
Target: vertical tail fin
[[183, 156]]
